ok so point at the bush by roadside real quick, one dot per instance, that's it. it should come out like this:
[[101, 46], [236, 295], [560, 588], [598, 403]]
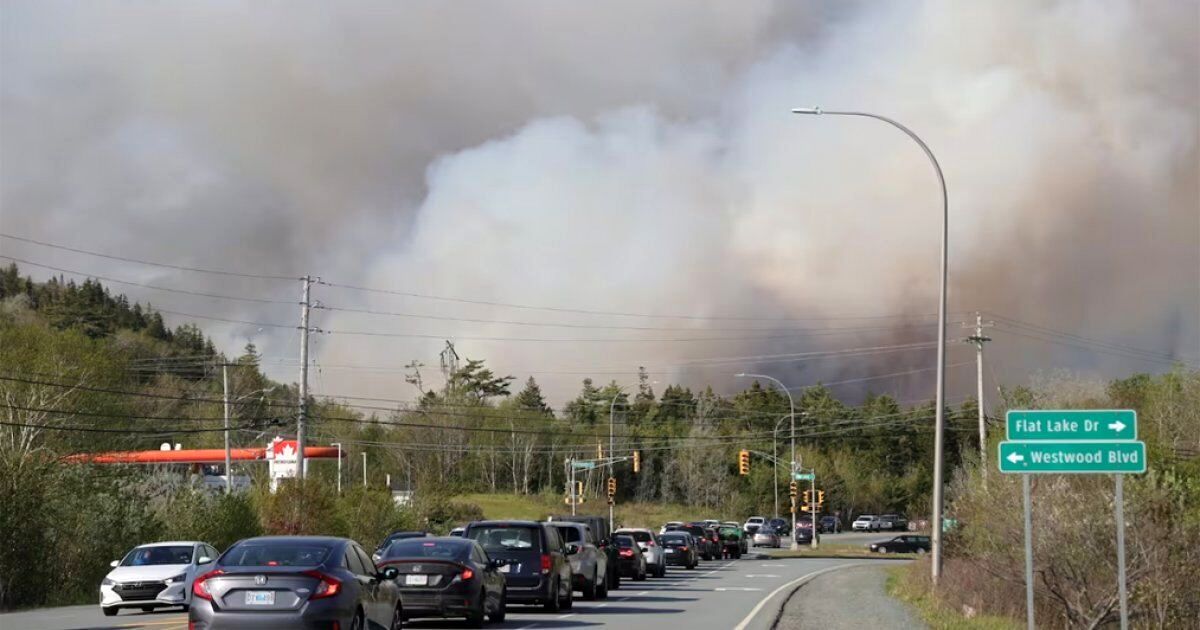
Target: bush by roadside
[[911, 584]]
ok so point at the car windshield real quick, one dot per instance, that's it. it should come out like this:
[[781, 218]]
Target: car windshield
[[569, 534], [148, 556], [504, 537], [417, 548], [276, 554]]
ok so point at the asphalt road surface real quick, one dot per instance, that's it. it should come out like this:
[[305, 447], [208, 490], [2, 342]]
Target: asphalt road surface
[[740, 594], [821, 603]]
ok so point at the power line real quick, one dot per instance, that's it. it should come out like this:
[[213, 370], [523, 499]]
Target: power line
[[215, 272]]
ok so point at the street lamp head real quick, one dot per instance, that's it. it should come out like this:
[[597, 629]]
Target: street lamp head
[[806, 110]]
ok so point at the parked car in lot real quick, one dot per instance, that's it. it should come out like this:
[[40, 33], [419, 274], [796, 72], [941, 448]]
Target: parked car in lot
[[393, 537], [866, 523], [630, 562], [295, 582], [653, 552], [908, 543], [766, 536], [782, 526], [155, 575], [829, 525], [753, 523], [447, 577], [893, 522], [679, 550], [731, 541], [589, 564], [537, 570]]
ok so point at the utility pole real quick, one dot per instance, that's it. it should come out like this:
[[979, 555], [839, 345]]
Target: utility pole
[[364, 454], [339, 472], [978, 339], [304, 308], [228, 454]]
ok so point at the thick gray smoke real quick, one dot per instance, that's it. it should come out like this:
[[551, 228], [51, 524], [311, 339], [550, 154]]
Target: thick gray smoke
[[628, 157]]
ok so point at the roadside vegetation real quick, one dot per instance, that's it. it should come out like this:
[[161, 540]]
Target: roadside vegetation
[[83, 371], [910, 584]]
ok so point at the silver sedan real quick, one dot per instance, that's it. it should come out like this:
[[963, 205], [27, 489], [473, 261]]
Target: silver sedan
[[767, 537]]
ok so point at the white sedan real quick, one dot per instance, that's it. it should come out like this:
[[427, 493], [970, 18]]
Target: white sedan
[[157, 575]]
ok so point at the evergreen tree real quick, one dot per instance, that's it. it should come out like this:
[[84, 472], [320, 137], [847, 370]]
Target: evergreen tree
[[531, 399]]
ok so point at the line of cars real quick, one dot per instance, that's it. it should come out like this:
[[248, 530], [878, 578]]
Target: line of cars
[[330, 582]]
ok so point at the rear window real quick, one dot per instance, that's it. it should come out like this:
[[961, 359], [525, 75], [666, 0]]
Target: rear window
[[417, 548], [505, 537], [638, 536], [276, 554], [674, 541], [625, 541], [569, 534]]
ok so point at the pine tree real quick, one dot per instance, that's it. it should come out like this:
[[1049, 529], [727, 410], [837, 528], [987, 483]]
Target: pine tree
[[531, 399]]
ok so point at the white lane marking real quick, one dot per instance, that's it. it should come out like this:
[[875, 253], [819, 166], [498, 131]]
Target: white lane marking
[[642, 593], [761, 575], [772, 566], [602, 605], [763, 602], [736, 588], [566, 615]]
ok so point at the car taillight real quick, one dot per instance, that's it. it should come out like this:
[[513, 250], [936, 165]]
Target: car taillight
[[650, 544], [625, 552], [200, 585], [545, 563], [327, 587], [467, 574], [683, 548]]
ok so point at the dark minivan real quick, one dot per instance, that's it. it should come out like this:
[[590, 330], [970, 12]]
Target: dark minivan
[[536, 568]]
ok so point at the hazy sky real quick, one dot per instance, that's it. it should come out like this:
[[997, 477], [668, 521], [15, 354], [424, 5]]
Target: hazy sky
[[625, 157]]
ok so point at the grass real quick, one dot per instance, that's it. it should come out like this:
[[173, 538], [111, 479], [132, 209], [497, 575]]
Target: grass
[[934, 612], [838, 550], [538, 507]]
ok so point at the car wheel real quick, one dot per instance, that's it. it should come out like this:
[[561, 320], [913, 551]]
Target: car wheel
[[554, 604], [591, 586], [920, 551], [602, 590], [570, 601], [883, 550], [110, 611], [475, 617], [147, 609], [662, 571], [357, 622], [497, 615], [397, 618]]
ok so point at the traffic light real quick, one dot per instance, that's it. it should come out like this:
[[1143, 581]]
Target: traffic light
[[793, 489], [599, 450], [743, 462], [820, 497], [637, 462], [793, 499], [807, 497], [612, 487], [579, 491]]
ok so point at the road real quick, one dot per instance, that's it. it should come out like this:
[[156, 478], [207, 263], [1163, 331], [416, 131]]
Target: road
[[741, 594]]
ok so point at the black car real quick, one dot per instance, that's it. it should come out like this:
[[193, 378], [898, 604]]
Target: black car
[[705, 549], [447, 577], [893, 522], [829, 525], [537, 570], [782, 526], [679, 549], [902, 544], [630, 561], [804, 535], [295, 582]]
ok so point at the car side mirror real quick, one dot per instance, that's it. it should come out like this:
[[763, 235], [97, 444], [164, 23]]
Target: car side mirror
[[114, 564], [204, 560], [389, 573], [572, 549]]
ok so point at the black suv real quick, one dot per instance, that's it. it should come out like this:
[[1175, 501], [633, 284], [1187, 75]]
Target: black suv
[[536, 569]]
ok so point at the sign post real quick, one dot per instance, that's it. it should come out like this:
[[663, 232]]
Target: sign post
[[1074, 441]]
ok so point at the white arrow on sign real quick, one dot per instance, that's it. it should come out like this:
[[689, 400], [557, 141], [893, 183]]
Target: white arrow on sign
[[1014, 458], [1117, 426]]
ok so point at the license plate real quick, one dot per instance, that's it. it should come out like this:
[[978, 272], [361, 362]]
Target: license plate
[[416, 580], [670, 551], [260, 598], [506, 568]]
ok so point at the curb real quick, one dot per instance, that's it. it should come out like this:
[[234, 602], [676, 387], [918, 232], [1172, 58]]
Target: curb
[[783, 601]]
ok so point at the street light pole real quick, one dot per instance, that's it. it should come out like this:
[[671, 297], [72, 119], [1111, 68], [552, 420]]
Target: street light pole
[[775, 453], [939, 422], [792, 415], [228, 454], [612, 525]]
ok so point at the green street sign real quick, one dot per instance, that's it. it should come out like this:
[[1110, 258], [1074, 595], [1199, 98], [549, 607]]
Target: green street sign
[[1072, 424], [803, 476], [1072, 457], [583, 465]]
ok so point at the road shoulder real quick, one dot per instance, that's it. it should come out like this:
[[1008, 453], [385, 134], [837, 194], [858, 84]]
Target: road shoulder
[[846, 599]]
